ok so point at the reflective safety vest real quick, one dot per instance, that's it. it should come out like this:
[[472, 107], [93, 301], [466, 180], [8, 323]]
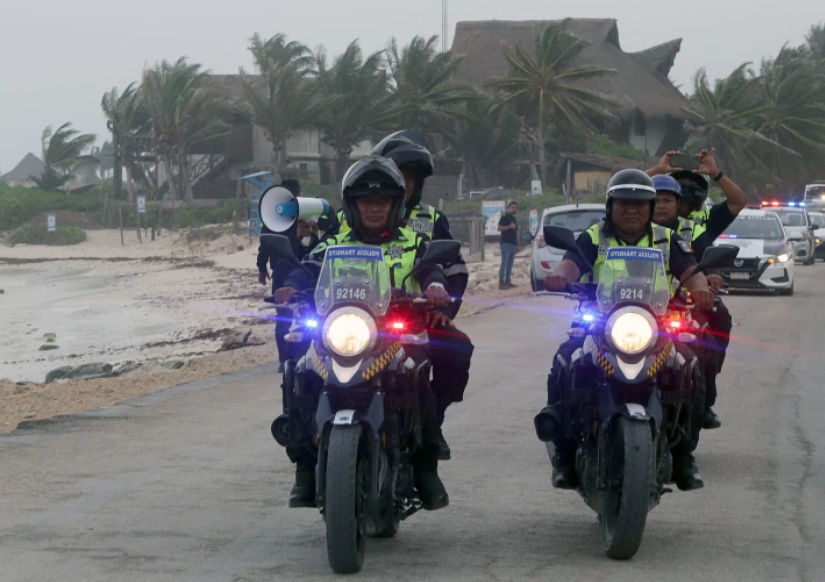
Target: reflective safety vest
[[422, 220], [661, 240], [700, 217], [689, 230], [399, 254]]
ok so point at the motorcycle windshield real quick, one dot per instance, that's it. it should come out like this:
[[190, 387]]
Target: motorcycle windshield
[[633, 275], [354, 275]]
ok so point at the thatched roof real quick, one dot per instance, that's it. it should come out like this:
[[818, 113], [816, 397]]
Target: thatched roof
[[641, 81], [30, 165]]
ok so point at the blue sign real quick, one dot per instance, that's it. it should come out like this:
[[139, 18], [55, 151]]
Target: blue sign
[[634, 254], [355, 252]]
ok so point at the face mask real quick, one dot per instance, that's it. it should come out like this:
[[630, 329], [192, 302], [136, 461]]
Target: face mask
[[305, 242]]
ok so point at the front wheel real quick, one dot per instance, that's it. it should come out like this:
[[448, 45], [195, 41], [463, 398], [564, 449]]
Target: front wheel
[[629, 482], [387, 519], [345, 498], [536, 284]]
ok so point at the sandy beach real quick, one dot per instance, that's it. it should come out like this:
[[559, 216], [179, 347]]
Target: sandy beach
[[167, 304]]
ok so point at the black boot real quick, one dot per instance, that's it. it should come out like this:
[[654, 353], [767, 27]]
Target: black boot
[[431, 490], [444, 452], [711, 420], [564, 471], [686, 473], [303, 492]]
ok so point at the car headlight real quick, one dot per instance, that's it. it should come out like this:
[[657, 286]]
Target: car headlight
[[349, 331], [631, 330], [783, 258]]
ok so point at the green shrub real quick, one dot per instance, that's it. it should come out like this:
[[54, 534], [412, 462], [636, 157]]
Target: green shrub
[[19, 205], [39, 235]]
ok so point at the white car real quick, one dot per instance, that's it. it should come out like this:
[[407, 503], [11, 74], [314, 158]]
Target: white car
[[576, 217], [799, 228], [818, 220], [765, 259]]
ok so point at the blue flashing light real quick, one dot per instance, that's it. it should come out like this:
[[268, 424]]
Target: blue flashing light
[[802, 204], [791, 203], [311, 323], [733, 236], [588, 317]]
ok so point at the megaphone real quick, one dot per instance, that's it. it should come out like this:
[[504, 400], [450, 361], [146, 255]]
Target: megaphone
[[279, 208]]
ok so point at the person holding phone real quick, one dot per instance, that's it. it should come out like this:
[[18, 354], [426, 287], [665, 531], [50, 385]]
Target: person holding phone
[[691, 173], [508, 227]]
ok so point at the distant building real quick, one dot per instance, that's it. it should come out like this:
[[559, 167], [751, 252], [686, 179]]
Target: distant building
[[649, 105], [29, 166]]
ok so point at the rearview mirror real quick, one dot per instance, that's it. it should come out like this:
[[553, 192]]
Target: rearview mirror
[[441, 252], [564, 239], [526, 237], [279, 247], [718, 256]]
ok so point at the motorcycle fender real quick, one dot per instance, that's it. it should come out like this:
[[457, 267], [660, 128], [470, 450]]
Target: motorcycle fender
[[373, 418], [608, 409]]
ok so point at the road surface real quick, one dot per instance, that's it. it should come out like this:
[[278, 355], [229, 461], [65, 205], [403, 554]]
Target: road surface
[[188, 485]]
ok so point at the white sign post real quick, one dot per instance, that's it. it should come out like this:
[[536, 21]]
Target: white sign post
[[51, 222], [535, 187], [141, 203], [534, 221]]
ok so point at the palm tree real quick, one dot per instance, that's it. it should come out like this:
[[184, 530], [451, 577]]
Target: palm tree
[[422, 94], [285, 99], [486, 138], [793, 112], [62, 152], [357, 87], [548, 84], [129, 122], [723, 117], [816, 43], [277, 51], [185, 111]]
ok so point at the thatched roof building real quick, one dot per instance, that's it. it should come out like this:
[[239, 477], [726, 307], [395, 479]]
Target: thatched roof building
[[641, 82]]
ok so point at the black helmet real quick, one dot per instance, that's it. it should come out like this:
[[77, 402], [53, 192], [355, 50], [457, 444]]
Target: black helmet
[[630, 185], [695, 187], [410, 150], [373, 175]]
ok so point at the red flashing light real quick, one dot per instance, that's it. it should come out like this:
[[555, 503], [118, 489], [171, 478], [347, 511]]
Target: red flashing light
[[398, 325], [774, 203], [676, 324]]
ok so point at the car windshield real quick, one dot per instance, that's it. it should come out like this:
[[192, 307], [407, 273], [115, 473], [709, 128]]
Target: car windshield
[[791, 218], [575, 220], [757, 227]]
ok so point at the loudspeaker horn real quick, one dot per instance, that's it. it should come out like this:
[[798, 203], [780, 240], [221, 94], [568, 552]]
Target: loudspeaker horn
[[279, 208]]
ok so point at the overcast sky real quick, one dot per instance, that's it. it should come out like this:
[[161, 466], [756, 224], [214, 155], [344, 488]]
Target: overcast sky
[[59, 57]]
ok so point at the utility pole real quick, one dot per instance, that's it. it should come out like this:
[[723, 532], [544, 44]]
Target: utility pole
[[445, 24]]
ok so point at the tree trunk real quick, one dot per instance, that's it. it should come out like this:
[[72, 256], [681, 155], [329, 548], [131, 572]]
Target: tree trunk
[[341, 164], [130, 182], [170, 178], [183, 165], [542, 156]]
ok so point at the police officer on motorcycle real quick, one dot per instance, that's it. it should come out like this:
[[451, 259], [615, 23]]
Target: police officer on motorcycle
[[373, 192], [693, 216], [451, 367], [630, 204]]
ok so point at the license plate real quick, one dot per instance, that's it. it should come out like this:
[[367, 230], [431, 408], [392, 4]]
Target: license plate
[[740, 276]]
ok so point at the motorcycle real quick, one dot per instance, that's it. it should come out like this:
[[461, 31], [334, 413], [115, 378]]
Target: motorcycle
[[356, 397], [628, 391]]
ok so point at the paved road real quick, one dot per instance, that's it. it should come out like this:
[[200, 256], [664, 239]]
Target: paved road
[[189, 486]]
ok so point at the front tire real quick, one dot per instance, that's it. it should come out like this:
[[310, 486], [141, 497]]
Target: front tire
[[345, 499], [788, 292], [387, 520], [535, 284], [629, 482]]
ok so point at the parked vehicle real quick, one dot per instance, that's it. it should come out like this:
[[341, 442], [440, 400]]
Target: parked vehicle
[[576, 217]]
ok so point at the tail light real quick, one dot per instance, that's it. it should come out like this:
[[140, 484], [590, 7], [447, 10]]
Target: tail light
[[540, 244]]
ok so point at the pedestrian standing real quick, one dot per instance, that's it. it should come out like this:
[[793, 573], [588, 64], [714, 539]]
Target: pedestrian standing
[[508, 227]]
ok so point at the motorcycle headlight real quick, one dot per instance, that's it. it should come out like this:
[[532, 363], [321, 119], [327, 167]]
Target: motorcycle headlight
[[632, 330], [349, 331]]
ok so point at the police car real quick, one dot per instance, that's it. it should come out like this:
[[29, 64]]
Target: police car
[[765, 259], [797, 223]]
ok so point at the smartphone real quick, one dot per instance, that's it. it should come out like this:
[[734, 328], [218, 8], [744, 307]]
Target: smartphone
[[685, 161]]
